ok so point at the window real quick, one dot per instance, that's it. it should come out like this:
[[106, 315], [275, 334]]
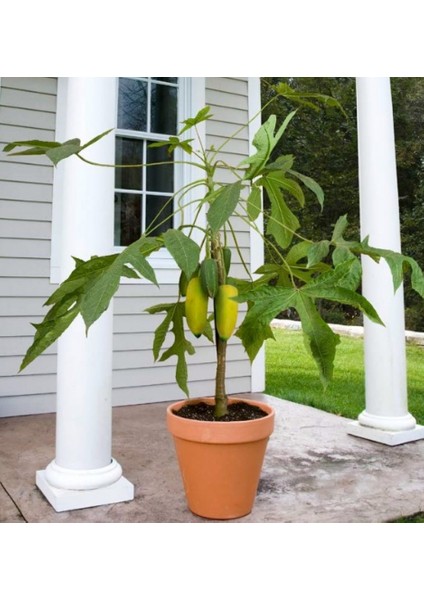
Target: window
[[148, 111]]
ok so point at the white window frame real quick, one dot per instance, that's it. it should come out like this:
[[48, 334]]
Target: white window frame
[[191, 100]]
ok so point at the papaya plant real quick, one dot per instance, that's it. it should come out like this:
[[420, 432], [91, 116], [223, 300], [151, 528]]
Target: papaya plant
[[208, 298]]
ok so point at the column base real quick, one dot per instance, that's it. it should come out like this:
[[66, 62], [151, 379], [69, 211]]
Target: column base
[[65, 478], [61, 500], [390, 438]]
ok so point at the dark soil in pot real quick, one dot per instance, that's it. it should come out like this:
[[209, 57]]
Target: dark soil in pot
[[237, 411]]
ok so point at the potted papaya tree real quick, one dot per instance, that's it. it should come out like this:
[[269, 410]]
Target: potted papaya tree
[[221, 442]]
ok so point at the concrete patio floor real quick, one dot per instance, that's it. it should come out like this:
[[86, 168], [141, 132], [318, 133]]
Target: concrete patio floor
[[313, 471]]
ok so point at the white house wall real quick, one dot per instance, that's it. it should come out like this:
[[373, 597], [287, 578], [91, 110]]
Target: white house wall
[[27, 110]]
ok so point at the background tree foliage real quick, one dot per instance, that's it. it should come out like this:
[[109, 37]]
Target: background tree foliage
[[325, 145]]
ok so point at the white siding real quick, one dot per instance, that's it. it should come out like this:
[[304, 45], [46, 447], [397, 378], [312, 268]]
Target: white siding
[[27, 110]]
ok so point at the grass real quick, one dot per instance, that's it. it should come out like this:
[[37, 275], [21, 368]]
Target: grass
[[417, 518], [291, 374]]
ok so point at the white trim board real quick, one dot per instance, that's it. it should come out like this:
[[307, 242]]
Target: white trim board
[[256, 242]]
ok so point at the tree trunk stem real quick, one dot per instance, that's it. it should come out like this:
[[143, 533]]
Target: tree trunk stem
[[221, 400]]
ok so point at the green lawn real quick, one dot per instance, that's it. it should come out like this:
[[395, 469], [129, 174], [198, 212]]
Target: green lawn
[[417, 518], [291, 374]]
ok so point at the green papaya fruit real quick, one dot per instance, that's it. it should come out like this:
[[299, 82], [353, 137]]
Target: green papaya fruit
[[226, 310], [183, 283], [209, 277], [196, 307], [226, 253]]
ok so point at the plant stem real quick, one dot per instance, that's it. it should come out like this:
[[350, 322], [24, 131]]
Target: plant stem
[[221, 399], [139, 165], [239, 252]]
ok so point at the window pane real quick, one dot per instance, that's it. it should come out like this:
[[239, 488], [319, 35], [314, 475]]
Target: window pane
[[132, 104], [163, 109], [159, 211], [127, 218], [167, 79], [129, 152], [160, 178]]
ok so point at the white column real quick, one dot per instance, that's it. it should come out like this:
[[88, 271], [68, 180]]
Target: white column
[[256, 242], [386, 418], [84, 473]]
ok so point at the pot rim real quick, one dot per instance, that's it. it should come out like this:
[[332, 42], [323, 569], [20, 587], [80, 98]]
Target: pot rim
[[221, 432]]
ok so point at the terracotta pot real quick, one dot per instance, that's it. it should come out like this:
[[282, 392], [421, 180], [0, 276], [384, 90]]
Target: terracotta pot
[[220, 462]]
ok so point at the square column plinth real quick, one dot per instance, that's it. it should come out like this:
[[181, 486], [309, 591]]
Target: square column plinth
[[390, 438], [61, 500]]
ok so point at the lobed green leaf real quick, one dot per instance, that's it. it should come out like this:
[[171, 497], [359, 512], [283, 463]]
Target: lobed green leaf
[[265, 141], [35, 144], [298, 252], [289, 185], [417, 277], [133, 255], [319, 339], [397, 262], [282, 163], [253, 338], [254, 203], [343, 296], [317, 252], [129, 273], [310, 99], [341, 254], [282, 222], [180, 347], [55, 151], [84, 273], [339, 228], [162, 330], [183, 249], [312, 185], [63, 151], [98, 294], [55, 323], [173, 143], [94, 140], [202, 115], [223, 205], [265, 303]]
